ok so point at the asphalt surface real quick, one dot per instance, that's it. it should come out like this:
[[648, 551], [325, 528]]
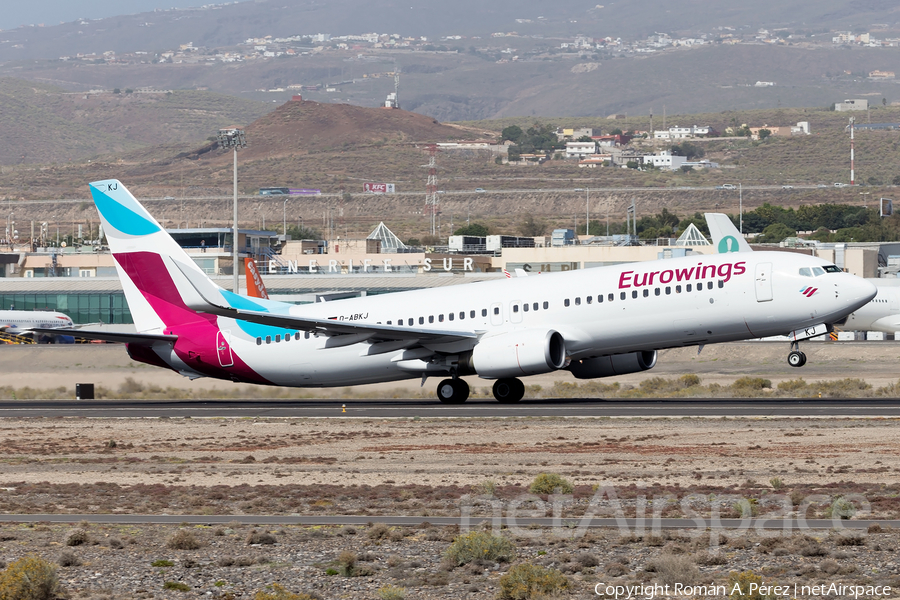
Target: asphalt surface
[[573, 523], [399, 409]]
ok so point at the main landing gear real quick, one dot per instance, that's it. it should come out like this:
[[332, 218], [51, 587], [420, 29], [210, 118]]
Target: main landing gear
[[796, 358], [456, 391], [508, 391], [453, 391]]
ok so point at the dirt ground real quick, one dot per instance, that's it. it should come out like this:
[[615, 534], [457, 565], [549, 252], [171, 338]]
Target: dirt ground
[[109, 365]]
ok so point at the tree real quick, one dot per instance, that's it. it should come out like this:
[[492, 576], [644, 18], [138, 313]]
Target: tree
[[303, 233], [688, 150], [532, 227], [632, 164], [775, 233], [896, 180], [476, 229], [884, 101], [686, 168], [585, 138], [511, 133], [764, 133]]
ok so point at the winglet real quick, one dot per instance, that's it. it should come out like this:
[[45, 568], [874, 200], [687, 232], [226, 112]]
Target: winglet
[[725, 236]]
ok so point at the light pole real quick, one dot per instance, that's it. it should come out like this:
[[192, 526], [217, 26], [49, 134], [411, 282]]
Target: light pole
[[284, 219], [587, 210], [741, 206], [233, 138]]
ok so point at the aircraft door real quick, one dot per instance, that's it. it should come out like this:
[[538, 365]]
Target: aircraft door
[[515, 311], [223, 349], [764, 282], [496, 314]]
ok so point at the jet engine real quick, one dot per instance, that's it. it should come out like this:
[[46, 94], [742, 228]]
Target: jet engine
[[616, 364], [517, 353]]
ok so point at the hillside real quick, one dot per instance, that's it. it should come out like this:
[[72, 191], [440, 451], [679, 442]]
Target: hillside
[[45, 124]]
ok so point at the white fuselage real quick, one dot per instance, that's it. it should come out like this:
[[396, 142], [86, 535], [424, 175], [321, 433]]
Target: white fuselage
[[18, 322], [645, 306], [882, 313]]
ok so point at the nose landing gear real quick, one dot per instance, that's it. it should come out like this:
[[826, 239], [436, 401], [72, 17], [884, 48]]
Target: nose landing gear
[[796, 358]]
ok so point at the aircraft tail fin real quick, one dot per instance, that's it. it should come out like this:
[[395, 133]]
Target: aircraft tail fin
[[150, 263], [725, 236]]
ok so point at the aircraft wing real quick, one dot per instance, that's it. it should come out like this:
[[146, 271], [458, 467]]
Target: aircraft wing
[[725, 236], [141, 339]]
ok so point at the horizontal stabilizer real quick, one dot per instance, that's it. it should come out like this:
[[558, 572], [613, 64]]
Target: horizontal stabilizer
[[141, 339], [201, 302]]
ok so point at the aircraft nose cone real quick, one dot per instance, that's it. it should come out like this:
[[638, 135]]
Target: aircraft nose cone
[[865, 290]]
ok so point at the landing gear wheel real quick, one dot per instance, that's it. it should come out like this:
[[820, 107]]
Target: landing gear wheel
[[796, 358], [453, 391], [508, 391]]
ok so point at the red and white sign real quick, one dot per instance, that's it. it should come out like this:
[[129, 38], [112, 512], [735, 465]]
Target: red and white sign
[[379, 188]]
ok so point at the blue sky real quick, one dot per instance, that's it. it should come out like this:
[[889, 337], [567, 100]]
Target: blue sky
[[52, 12]]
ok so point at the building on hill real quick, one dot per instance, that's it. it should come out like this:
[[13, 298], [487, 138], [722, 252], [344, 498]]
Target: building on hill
[[801, 128], [881, 75], [570, 133], [676, 133], [853, 104], [664, 160], [580, 149]]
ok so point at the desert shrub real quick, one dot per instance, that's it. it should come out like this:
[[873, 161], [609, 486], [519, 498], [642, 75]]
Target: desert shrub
[[479, 545], [841, 508], [525, 581], [709, 559], [162, 563], [183, 540], [776, 483], [616, 569], [851, 539], [487, 487], [260, 537], [77, 537], [749, 385], [811, 548], [29, 578], [874, 528], [391, 592], [176, 585], [346, 563], [226, 561], [676, 568], [586, 559], [378, 531], [278, 592], [793, 386], [116, 543], [739, 586], [551, 483], [829, 566], [67, 558]]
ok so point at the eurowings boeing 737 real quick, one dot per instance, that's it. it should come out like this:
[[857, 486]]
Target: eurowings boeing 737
[[594, 322]]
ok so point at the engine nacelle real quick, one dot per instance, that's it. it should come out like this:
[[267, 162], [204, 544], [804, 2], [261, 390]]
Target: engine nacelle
[[616, 364], [517, 353]]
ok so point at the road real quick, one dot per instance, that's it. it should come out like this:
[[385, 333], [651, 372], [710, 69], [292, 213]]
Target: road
[[408, 409]]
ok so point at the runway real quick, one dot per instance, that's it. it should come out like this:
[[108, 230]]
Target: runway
[[432, 409], [574, 523]]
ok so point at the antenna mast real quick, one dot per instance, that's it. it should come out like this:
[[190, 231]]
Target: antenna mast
[[431, 195]]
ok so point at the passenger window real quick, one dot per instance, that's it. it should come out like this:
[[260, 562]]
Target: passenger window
[[656, 291], [687, 288], [525, 307], [287, 337], [546, 305], [259, 341], [721, 283], [277, 338], [634, 293], [668, 290], [268, 339], [611, 297], [646, 292], [450, 316], [496, 310], [709, 285], [515, 308], [599, 298], [431, 318], [410, 321], [566, 302], [305, 333], [805, 272], [534, 306], [589, 299], [578, 301], [818, 271], [440, 318], [421, 320], [483, 312], [297, 336], [678, 289], [472, 314], [622, 296], [462, 315]]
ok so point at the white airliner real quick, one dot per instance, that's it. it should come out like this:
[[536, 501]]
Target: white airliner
[[882, 313], [594, 322], [24, 322]]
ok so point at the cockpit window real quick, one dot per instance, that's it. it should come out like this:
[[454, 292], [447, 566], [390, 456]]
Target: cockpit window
[[805, 272], [831, 269], [818, 271]]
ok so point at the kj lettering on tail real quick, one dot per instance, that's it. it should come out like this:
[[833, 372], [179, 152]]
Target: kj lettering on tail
[[595, 322]]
